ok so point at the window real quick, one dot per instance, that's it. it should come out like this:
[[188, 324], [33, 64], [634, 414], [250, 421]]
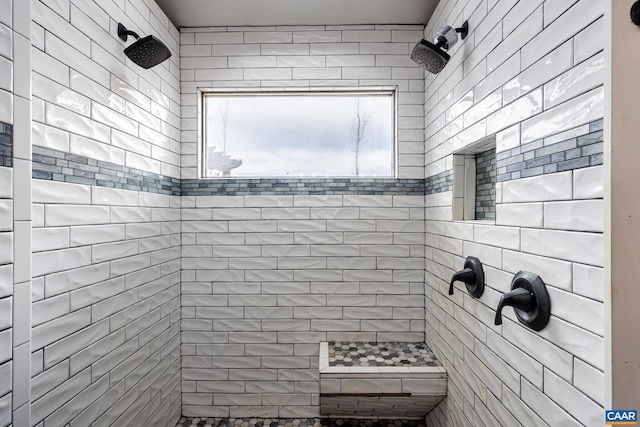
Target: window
[[299, 134]]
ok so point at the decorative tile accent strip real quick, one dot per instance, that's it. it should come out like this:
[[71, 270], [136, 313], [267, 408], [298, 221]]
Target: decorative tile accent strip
[[302, 186], [294, 422], [6, 145], [486, 185], [60, 166], [576, 148], [381, 354], [439, 183]]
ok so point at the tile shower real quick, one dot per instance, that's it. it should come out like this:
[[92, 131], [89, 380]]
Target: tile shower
[[145, 295]]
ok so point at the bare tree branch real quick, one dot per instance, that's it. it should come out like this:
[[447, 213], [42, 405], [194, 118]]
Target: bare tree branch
[[358, 129]]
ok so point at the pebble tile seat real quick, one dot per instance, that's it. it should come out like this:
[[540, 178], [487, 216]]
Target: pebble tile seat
[[294, 422], [379, 380]]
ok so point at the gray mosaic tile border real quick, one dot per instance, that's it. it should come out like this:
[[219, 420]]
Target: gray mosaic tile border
[[486, 185], [65, 167], [576, 148], [439, 183], [302, 186], [60, 166], [6, 145]]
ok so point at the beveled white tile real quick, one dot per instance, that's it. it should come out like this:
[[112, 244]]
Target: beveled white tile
[[6, 215], [588, 183], [95, 150], [585, 248], [55, 261], [588, 41], [520, 214], [575, 112], [585, 312], [7, 6], [68, 55], [114, 119], [583, 77], [96, 92], [46, 239], [588, 281], [50, 137], [72, 122], [508, 138], [539, 73], [112, 196], [6, 74], [6, 248], [557, 186], [6, 37], [554, 272], [60, 215], [519, 110], [60, 192], [513, 42], [89, 235], [589, 380], [317, 37], [568, 24], [6, 106], [584, 215]]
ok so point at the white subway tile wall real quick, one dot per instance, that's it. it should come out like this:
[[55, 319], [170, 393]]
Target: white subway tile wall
[[105, 346], [266, 278], [107, 107], [6, 219], [15, 222], [527, 71]]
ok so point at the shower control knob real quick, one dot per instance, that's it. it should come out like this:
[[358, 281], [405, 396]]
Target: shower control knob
[[529, 299], [635, 13], [472, 275]]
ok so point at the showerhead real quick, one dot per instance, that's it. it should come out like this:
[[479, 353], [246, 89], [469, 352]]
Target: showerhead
[[430, 56], [433, 57], [146, 52]]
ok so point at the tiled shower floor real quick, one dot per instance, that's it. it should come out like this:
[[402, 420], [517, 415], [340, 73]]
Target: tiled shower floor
[[297, 422], [381, 354]]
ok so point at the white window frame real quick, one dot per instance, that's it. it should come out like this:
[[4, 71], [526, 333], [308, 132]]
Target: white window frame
[[202, 93]]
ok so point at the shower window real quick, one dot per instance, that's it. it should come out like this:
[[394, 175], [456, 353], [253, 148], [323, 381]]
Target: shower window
[[299, 134]]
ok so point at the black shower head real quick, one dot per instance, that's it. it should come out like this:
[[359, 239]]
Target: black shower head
[[146, 52], [430, 56], [433, 57]]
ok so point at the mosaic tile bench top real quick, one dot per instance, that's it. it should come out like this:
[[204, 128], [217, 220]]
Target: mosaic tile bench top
[[298, 422], [381, 354]]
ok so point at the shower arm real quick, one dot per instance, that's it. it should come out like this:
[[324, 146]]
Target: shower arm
[[464, 30], [123, 33], [442, 42]]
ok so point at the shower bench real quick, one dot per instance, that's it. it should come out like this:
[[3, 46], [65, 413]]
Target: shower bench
[[379, 380]]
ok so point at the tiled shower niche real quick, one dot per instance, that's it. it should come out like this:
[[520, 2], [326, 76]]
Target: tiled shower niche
[[474, 181]]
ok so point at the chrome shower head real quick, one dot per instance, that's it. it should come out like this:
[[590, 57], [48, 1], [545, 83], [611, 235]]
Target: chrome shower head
[[433, 57], [146, 52]]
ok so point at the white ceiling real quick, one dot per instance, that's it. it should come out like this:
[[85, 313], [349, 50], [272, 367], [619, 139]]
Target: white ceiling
[[223, 13]]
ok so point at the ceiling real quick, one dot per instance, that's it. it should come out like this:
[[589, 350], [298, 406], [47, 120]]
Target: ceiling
[[227, 13]]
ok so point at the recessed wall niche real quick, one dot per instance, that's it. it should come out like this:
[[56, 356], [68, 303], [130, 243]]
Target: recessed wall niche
[[474, 181]]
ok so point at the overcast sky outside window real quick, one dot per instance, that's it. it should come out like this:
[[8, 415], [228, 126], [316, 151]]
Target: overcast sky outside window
[[301, 135]]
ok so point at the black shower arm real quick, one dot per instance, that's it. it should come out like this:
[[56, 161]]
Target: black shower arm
[[123, 33]]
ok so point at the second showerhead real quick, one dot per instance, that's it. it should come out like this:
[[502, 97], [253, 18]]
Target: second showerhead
[[146, 52], [433, 57]]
